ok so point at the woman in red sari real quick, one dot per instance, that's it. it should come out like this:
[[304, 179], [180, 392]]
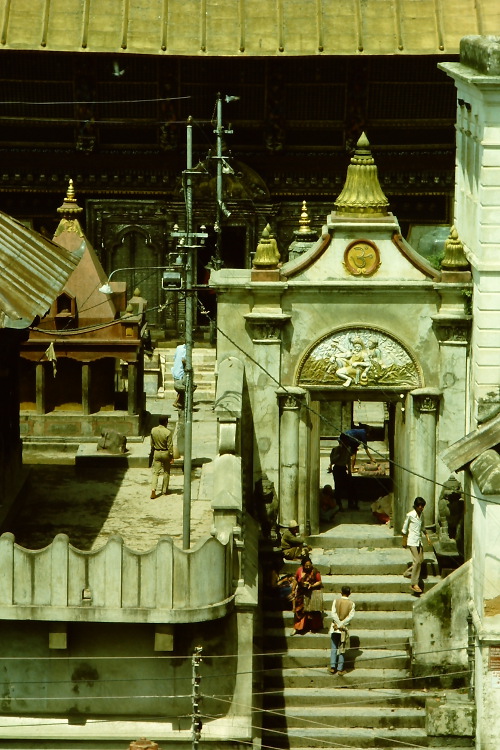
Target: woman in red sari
[[307, 599]]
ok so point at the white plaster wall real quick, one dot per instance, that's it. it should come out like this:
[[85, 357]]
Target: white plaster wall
[[486, 549], [477, 217]]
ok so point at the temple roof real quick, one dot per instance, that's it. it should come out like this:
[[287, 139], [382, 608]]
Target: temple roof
[[243, 28], [34, 271]]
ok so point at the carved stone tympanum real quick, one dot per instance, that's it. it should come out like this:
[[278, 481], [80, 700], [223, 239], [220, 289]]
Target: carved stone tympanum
[[359, 358]]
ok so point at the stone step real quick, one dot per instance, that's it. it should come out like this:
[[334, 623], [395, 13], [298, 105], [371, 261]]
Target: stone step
[[312, 717], [349, 561], [355, 658], [359, 737], [201, 396], [319, 677], [278, 639], [368, 619], [366, 584], [373, 583], [346, 697], [356, 535]]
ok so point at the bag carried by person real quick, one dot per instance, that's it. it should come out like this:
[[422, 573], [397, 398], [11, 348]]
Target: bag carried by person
[[314, 602]]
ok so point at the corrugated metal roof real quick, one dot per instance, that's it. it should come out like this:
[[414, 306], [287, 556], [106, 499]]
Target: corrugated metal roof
[[33, 271], [246, 27]]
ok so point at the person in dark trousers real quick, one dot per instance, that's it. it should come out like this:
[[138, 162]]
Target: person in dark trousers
[[340, 468], [355, 437], [162, 449]]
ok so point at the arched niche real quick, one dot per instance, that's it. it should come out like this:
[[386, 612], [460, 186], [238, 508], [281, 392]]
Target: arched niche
[[359, 358]]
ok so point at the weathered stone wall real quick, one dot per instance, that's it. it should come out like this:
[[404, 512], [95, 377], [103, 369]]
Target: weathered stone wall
[[440, 630], [115, 583]]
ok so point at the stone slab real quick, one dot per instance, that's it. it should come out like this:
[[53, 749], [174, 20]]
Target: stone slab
[[137, 457]]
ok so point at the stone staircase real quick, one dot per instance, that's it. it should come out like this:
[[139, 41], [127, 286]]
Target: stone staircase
[[377, 703], [204, 361]]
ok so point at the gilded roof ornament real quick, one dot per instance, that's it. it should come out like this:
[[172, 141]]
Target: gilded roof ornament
[[304, 221], [69, 211], [267, 253], [304, 237], [454, 255], [362, 194]]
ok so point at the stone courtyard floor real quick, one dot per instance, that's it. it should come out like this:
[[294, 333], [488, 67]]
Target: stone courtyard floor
[[90, 506]]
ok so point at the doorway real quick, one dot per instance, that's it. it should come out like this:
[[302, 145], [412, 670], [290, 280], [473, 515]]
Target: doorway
[[373, 475]]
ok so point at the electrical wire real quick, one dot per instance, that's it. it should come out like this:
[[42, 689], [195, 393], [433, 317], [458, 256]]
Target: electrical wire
[[94, 101]]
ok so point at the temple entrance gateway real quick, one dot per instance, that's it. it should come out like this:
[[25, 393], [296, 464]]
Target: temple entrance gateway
[[358, 375], [356, 318]]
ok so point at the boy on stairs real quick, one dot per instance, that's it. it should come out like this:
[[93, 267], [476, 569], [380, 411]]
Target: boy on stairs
[[342, 613]]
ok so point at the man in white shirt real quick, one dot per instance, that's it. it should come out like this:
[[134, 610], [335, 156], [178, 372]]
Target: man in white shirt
[[179, 375], [413, 528], [342, 613]]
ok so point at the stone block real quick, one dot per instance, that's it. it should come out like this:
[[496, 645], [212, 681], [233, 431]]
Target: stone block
[[152, 381], [164, 637], [450, 717], [481, 53], [490, 177], [58, 635]]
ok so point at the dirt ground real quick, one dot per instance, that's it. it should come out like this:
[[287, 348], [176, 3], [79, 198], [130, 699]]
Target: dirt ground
[[92, 508]]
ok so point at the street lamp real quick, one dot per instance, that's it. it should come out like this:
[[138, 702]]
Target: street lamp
[[172, 281]]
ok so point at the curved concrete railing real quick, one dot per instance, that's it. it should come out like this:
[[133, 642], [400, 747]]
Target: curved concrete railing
[[115, 583]]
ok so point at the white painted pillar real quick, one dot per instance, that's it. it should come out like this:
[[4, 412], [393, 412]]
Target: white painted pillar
[[423, 455], [290, 403]]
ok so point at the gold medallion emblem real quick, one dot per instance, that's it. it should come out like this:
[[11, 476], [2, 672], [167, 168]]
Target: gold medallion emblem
[[362, 258]]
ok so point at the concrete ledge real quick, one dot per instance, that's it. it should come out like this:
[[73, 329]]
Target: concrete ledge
[[136, 457]]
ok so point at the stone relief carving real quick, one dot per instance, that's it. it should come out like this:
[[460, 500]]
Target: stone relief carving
[[458, 333], [359, 358], [265, 331], [451, 514], [488, 406], [362, 258], [266, 504], [427, 404]]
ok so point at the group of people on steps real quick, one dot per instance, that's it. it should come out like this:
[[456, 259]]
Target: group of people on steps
[[304, 588]]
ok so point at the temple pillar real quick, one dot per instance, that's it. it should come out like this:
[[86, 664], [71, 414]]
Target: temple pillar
[[40, 388], [265, 330], [132, 387], [423, 454], [86, 385], [290, 407]]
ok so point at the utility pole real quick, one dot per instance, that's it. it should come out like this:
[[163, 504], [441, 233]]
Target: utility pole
[[188, 403], [222, 166], [188, 248], [196, 722]]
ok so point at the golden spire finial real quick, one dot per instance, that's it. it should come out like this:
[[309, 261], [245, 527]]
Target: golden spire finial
[[70, 207], [304, 221], [454, 255], [267, 253], [69, 214], [362, 194]]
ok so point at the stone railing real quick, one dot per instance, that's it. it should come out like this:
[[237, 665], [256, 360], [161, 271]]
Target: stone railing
[[115, 583]]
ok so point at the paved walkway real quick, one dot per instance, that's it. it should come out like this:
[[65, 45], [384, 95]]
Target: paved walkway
[[89, 507]]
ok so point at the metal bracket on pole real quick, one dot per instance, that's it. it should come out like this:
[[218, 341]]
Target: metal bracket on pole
[[196, 722]]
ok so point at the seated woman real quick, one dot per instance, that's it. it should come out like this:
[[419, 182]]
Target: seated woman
[[382, 509], [307, 599], [328, 506]]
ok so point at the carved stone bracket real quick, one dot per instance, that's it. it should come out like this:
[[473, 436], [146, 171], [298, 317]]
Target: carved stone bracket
[[266, 326], [426, 399], [455, 331], [291, 397]]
